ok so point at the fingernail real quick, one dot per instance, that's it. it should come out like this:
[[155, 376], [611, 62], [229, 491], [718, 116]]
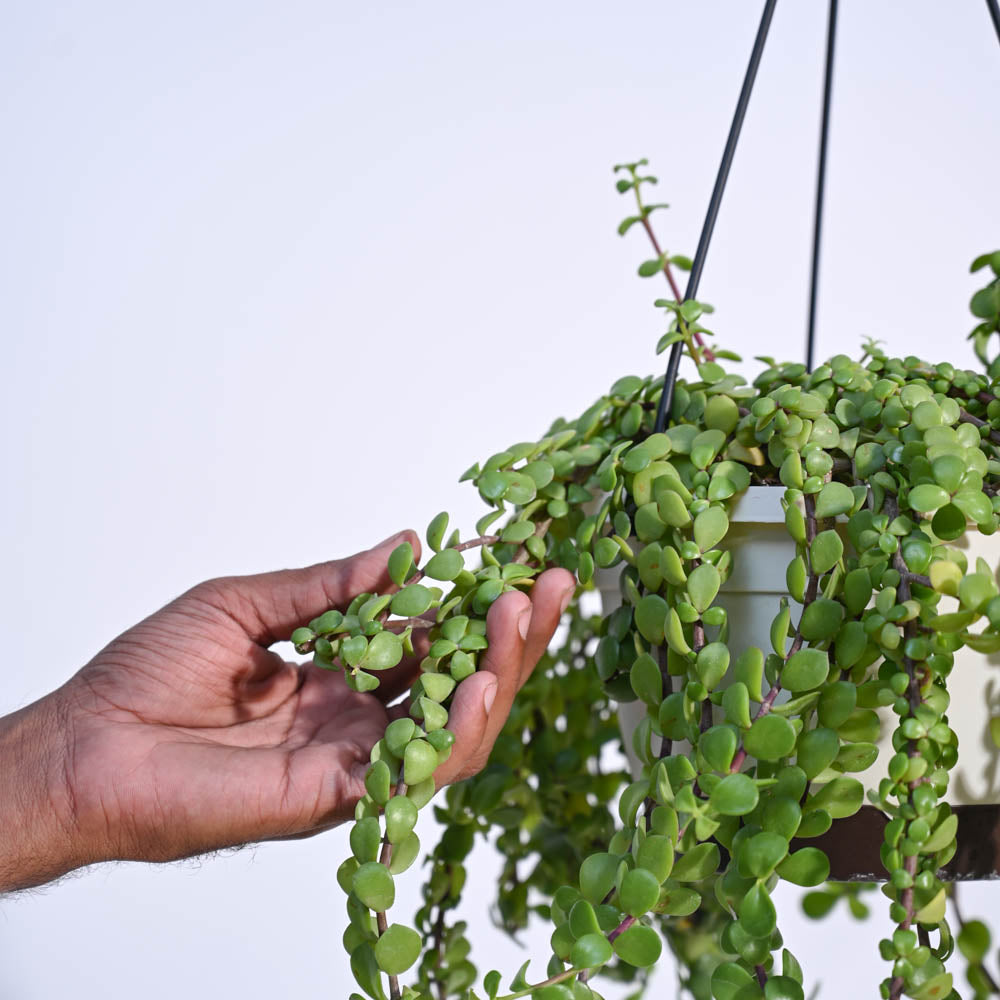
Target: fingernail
[[488, 696], [523, 621], [567, 597]]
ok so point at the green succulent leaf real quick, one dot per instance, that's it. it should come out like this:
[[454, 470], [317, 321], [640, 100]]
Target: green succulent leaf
[[734, 795], [805, 669], [770, 738], [808, 866], [833, 499], [639, 946]]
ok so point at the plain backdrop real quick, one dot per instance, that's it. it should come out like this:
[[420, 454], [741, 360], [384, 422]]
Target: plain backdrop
[[272, 275]]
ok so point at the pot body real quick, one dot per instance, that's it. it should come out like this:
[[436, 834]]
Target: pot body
[[761, 551]]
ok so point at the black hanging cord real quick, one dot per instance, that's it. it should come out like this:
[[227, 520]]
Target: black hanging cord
[[994, 9], [831, 34], [673, 363]]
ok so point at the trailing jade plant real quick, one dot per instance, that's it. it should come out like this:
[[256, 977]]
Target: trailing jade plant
[[881, 464]]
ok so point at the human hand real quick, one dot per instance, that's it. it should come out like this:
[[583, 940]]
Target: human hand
[[187, 734]]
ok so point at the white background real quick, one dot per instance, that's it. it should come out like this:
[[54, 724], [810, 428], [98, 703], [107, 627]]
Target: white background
[[272, 275]]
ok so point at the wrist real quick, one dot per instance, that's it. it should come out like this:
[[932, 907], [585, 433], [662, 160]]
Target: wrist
[[38, 830]]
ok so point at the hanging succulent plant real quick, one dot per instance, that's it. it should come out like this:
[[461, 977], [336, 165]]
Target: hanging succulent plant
[[880, 466]]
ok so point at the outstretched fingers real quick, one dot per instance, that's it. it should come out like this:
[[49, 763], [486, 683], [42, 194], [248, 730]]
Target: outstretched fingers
[[519, 630]]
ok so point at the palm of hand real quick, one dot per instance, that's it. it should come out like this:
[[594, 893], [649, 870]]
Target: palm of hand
[[187, 734]]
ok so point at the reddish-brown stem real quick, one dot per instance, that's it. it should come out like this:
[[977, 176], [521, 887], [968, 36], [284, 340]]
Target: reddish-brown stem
[[474, 543], [708, 353], [621, 929]]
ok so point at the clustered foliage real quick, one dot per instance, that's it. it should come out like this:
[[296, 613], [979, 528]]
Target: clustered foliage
[[882, 465]]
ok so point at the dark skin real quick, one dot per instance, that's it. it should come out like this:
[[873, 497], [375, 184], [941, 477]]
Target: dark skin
[[187, 734]]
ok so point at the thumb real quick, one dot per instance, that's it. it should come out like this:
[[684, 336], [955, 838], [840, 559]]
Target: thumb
[[270, 606]]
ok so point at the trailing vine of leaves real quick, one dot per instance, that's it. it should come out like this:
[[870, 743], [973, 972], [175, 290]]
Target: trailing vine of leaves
[[882, 464]]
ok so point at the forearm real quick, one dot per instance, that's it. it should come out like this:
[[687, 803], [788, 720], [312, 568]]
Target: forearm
[[38, 841]]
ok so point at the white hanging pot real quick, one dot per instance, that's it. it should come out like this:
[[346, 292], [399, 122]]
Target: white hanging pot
[[761, 551]]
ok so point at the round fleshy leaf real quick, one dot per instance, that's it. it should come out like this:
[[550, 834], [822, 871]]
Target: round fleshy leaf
[[735, 795], [345, 874], [366, 971], [679, 901], [656, 853], [805, 669], [411, 601], [927, 497], [365, 836], [327, 622], [833, 499], [702, 585], [728, 979], [639, 946], [821, 619], [782, 815], [840, 798], [825, 551], [377, 782], [771, 737], [591, 950], [836, 703], [698, 863], [436, 530], [756, 912], [857, 590], [540, 472], [398, 733], [783, 988], [646, 680], [397, 949], [712, 664], [597, 876], [583, 919], [353, 649], [808, 866], [948, 471], [672, 509], [361, 681], [444, 565], [817, 750], [650, 618], [421, 793], [949, 523], [373, 885], [404, 854], [302, 635], [760, 854], [640, 889], [385, 650], [718, 746], [437, 686], [419, 762], [400, 563], [400, 818], [710, 527]]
